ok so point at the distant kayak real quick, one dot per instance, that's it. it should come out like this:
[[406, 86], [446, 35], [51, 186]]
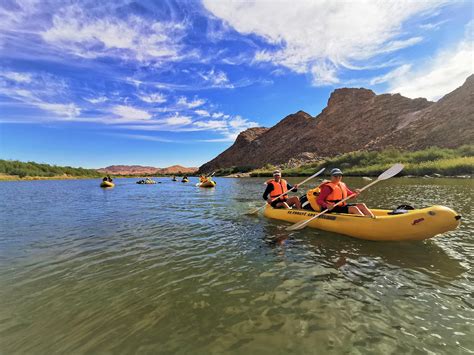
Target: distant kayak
[[408, 225], [107, 184], [208, 183], [146, 182], [185, 180]]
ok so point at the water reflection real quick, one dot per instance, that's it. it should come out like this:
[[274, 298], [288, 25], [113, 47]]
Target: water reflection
[[337, 251]]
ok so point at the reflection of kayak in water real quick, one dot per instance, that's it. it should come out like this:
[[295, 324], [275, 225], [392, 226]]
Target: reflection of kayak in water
[[107, 184], [208, 183], [407, 226], [426, 257]]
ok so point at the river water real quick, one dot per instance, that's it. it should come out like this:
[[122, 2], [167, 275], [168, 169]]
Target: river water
[[171, 268]]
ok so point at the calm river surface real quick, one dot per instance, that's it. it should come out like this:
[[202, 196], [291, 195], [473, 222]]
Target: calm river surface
[[171, 268]]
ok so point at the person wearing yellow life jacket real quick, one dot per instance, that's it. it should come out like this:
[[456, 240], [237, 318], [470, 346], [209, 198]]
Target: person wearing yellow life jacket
[[202, 179], [278, 186], [334, 191]]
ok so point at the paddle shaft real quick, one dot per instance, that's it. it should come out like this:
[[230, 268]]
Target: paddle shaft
[[301, 183], [285, 193]]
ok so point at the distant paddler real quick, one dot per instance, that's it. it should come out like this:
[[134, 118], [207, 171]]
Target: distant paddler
[[278, 186], [107, 179], [107, 182]]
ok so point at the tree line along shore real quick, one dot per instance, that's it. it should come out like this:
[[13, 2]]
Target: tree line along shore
[[18, 170], [433, 161]]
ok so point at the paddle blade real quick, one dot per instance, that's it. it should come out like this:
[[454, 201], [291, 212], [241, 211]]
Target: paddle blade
[[297, 226], [394, 170], [319, 172], [253, 211]]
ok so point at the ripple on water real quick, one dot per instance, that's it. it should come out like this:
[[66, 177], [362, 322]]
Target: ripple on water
[[170, 267]]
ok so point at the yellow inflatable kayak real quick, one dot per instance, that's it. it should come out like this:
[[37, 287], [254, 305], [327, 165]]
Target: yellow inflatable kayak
[[107, 184], [412, 225], [208, 183], [185, 180]]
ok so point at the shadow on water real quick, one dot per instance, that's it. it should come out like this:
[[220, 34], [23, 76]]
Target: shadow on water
[[337, 251]]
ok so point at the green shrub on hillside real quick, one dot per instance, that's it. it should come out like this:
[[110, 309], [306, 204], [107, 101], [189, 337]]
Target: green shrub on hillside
[[442, 161], [32, 169]]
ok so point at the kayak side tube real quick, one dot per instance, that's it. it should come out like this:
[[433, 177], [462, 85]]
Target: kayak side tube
[[107, 184], [209, 183], [417, 224]]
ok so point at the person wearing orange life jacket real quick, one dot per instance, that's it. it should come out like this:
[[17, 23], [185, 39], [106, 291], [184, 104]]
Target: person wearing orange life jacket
[[275, 188], [334, 191]]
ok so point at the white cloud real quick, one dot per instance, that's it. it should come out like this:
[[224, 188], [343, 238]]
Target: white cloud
[[142, 137], [15, 76], [74, 30], [446, 71], [239, 123], [217, 115], [40, 90], [216, 78], [97, 100], [178, 120], [154, 98], [196, 102], [13, 14], [321, 37], [130, 113], [229, 129], [400, 44], [66, 110], [203, 113], [432, 25], [211, 124], [324, 73], [396, 73]]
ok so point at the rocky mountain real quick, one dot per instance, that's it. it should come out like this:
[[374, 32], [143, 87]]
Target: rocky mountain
[[356, 119], [146, 170]]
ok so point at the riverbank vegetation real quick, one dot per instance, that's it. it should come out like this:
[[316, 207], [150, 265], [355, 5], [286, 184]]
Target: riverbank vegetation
[[14, 170], [442, 161]]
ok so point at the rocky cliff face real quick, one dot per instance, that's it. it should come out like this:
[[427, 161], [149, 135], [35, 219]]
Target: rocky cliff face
[[356, 119]]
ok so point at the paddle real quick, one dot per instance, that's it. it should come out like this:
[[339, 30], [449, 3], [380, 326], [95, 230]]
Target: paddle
[[254, 211], [394, 170]]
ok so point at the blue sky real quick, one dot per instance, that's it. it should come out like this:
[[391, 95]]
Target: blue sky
[[96, 83]]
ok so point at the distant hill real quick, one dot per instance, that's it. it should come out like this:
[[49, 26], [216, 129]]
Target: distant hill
[[146, 170], [356, 120]]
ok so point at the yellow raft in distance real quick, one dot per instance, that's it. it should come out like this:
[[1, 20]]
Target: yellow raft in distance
[[413, 225], [107, 184], [208, 183]]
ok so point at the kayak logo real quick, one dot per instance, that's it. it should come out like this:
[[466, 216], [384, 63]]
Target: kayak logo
[[416, 221], [298, 213]]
